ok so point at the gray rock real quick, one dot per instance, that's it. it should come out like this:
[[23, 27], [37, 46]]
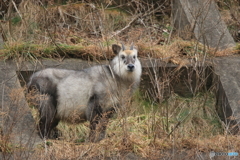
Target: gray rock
[[201, 19], [186, 81], [228, 91], [17, 123]]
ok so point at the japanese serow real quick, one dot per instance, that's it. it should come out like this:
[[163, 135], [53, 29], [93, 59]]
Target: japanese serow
[[92, 94]]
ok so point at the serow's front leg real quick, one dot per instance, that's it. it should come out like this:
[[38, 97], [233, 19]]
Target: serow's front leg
[[98, 120], [98, 128]]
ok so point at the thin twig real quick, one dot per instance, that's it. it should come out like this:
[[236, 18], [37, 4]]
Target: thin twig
[[149, 12], [127, 26], [15, 6]]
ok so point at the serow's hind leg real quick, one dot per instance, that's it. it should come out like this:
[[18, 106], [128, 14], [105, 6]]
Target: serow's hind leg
[[47, 119]]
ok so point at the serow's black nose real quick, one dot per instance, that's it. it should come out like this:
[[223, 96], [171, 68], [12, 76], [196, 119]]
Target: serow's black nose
[[130, 67]]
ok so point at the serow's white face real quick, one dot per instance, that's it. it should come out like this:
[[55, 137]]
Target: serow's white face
[[126, 63], [127, 59]]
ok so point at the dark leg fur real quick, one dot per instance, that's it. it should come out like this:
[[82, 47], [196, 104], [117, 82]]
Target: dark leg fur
[[46, 103], [48, 121], [94, 113], [98, 120]]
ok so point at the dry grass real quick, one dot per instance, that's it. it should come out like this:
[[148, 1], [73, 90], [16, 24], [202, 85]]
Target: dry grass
[[141, 149], [147, 131], [84, 30], [229, 13], [29, 51], [177, 51]]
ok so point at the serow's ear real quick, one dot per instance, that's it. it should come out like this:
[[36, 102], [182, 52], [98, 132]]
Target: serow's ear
[[131, 48], [116, 48]]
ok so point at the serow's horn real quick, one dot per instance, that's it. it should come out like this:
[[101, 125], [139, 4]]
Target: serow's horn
[[123, 47]]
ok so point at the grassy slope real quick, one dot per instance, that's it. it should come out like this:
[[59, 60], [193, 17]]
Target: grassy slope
[[149, 127]]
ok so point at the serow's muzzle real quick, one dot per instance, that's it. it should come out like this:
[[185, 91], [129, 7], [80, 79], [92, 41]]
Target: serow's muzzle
[[130, 67]]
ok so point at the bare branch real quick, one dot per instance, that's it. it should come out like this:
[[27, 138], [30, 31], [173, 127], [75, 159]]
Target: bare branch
[[149, 12]]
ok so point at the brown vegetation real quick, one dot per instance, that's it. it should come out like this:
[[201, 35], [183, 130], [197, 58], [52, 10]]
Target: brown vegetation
[[150, 129], [86, 30]]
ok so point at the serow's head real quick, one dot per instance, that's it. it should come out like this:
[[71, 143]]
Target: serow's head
[[126, 58]]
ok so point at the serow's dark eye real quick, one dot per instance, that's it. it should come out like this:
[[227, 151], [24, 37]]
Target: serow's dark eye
[[123, 57]]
